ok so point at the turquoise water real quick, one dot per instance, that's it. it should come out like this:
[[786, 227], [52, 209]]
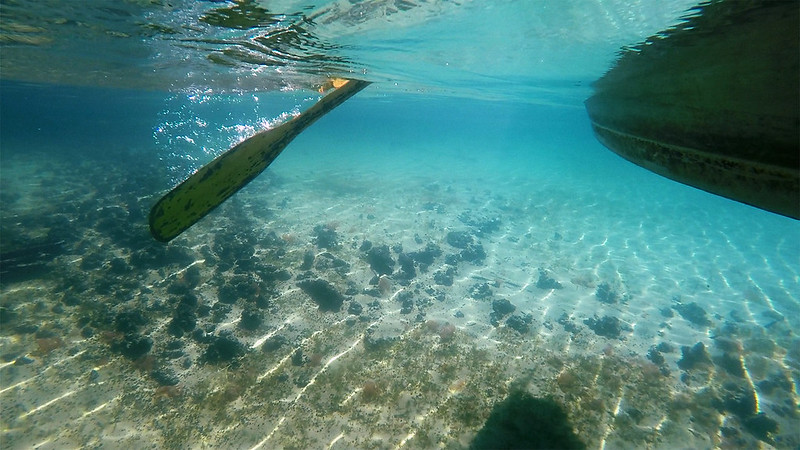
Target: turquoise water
[[672, 322]]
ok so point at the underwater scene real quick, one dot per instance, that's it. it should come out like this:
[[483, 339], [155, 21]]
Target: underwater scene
[[451, 258]]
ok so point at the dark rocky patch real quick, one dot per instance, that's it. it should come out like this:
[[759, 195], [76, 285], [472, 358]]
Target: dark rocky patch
[[606, 294], [308, 260], [92, 261], [459, 239], [520, 322], [129, 321], [522, 421], [239, 286], [380, 260], [452, 259], [775, 381], [481, 225], [223, 349], [503, 307], [272, 274], [739, 400], [406, 300], [473, 253], [545, 281], [118, 266], [480, 291], [694, 313], [273, 343], [444, 277], [667, 312], [328, 261], [427, 255], [251, 319], [156, 255], [693, 357], [323, 293], [375, 344], [607, 326], [298, 359], [133, 346], [164, 377], [655, 356], [219, 312], [731, 364], [365, 246], [355, 308], [325, 236], [184, 319], [407, 270], [568, 324], [665, 347], [762, 427]]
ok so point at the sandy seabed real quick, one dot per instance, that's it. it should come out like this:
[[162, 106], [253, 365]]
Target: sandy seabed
[[650, 333]]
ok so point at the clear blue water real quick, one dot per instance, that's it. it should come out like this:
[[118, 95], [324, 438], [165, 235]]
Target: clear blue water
[[488, 138]]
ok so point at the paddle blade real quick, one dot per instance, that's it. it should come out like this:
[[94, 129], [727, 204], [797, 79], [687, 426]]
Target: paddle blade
[[207, 188]]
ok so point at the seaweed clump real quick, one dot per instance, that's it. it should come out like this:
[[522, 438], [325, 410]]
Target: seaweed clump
[[523, 421]]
